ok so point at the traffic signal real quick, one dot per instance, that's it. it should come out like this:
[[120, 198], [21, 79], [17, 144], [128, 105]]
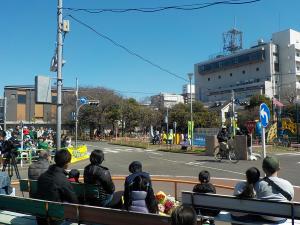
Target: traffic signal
[[93, 102]]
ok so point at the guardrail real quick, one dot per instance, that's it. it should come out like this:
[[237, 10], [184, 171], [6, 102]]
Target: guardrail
[[175, 183]]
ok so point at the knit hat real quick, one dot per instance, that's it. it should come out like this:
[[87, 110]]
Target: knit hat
[[270, 164]]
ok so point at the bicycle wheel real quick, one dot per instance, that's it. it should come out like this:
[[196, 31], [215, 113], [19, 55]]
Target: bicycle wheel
[[217, 154], [233, 156]]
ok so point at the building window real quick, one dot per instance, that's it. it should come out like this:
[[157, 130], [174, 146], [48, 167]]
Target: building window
[[298, 68], [244, 72], [54, 99], [231, 74], [219, 77], [22, 99], [298, 54], [208, 79], [257, 68], [276, 67]]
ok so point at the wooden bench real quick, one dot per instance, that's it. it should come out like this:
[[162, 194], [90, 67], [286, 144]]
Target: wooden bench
[[289, 210], [73, 213]]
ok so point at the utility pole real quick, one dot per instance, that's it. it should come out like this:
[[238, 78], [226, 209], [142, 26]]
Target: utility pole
[[76, 113], [167, 120], [190, 75], [4, 113], [233, 115], [59, 73]]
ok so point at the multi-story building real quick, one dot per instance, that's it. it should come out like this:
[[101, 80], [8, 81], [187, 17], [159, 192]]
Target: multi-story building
[[272, 69], [166, 100], [186, 90], [21, 105]]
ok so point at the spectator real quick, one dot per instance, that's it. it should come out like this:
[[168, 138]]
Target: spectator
[[99, 175], [206, 187], [74, 175], [246, 190], [42, 143], [138, 192], [184, 215], [272, 187], [40, 166], [53, 185], [5, 186]]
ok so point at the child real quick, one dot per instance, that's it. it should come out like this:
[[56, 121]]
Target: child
[[206, 187], [74, 175]]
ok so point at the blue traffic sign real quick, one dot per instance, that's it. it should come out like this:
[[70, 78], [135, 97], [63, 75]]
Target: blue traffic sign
[[83, 100], [264, 114]]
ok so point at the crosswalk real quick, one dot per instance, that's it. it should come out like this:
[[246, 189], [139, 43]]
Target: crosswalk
[[112, 150]]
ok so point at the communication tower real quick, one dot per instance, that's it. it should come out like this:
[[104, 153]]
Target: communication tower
[[232, 40]]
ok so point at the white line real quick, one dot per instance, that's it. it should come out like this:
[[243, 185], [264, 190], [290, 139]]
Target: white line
[[289, 154], [208, 167], [111, 151], [155, 153]]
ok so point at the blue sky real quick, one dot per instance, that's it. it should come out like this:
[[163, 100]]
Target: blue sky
[[175, 40]]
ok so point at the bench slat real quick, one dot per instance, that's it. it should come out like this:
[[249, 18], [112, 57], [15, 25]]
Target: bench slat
[[230, 203], [105, 216], [23, 205]]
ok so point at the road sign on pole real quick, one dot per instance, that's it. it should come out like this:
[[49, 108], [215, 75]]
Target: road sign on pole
[[250, 126], [83, 100], [264, 114]]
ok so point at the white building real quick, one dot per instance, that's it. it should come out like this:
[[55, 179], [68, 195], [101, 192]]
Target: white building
[[271, 68], [166, 100], [186, 90]]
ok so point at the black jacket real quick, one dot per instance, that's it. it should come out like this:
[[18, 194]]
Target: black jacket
[[206, 188], [53, 185], [222, 136], [37, 168], [99, 175]]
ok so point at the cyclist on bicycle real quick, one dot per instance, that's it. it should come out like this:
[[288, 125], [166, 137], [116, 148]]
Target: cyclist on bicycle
[[223, 137]]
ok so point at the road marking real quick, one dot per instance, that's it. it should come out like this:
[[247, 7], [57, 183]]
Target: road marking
[[155, 153], [112, 151], [194, 163], [208, 167], [288, 154]]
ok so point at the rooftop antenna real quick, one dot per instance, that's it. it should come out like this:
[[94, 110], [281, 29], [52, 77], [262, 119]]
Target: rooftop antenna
[[232, 40]]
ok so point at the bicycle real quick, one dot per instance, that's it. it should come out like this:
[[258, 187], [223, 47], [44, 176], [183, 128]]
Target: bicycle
[[226, 151]]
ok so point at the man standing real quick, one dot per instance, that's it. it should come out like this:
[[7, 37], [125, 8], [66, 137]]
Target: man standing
[[272, 187], [53, 185]]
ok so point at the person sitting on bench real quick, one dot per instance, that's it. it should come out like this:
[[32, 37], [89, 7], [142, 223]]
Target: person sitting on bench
[[272, 187], [138, 192], [246, 190], [206, 187], [99, 175]]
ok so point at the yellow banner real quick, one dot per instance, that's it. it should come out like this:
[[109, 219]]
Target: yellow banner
[[78, 154]]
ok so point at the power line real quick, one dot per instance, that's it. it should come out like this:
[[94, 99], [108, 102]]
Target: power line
[[186, 7], [126, 49]]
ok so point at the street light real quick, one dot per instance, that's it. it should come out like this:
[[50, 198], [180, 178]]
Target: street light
[[190, 75]]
